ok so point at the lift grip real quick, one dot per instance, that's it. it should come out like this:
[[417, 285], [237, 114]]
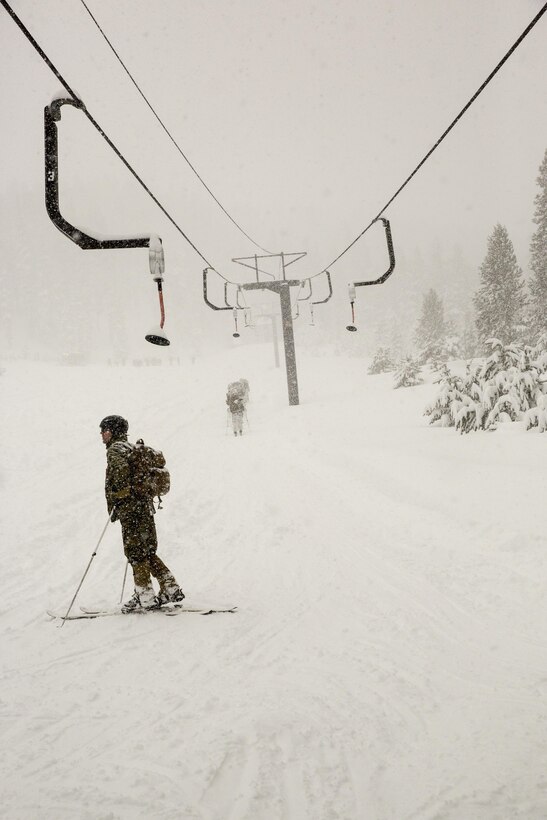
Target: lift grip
[[305, 298]]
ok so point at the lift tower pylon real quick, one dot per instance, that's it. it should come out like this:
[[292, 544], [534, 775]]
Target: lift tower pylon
[[282, 287]]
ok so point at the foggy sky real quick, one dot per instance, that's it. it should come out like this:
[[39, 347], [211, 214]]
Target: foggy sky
[[302, 117]]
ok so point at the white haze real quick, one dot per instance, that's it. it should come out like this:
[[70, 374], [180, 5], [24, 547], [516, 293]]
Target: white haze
[[303, 119]]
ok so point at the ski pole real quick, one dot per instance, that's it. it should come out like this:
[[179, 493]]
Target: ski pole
[[123, 585], [94, 553]]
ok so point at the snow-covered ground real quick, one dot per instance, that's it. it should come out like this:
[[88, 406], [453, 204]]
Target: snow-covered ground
[[388, 660]]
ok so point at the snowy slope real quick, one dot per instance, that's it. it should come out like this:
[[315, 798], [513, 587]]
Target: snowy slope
[[388, 659]]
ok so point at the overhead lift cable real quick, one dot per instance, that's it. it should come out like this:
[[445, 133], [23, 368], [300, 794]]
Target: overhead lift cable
[[515, 45], [96, 125], [158, 118], [492, 74]]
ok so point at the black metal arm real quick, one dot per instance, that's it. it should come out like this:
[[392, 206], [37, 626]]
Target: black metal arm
[[52, 114], [391, 252], [326, 299], [205, 296]]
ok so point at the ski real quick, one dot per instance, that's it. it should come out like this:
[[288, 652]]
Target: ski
[[179, 610], [167, 609], [77, 616]]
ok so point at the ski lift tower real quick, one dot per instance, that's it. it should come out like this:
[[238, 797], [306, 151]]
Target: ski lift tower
[[281, 287]]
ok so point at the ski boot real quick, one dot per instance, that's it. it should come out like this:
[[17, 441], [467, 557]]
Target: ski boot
[[171, 595], [144, 600]]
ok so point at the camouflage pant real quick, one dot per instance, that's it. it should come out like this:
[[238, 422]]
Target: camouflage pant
[[140, 543]]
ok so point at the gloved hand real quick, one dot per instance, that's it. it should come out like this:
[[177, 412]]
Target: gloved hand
[[114, 513]]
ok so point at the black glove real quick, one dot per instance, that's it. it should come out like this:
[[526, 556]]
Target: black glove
[[114, 513]]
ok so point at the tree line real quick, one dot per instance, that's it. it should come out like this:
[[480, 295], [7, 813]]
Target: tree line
[[506, 307]]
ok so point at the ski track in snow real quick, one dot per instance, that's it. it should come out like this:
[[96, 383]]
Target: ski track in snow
[[388, 659]]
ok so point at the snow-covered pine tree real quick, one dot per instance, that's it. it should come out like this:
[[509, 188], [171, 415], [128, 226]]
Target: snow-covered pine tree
[[537, 416], [500, 300], [505, 385], [510, 383], [448, 400], [473, 405], [538, 259], [382, 362], [509, 372], [430, 336], [538, 354], [408, 372]]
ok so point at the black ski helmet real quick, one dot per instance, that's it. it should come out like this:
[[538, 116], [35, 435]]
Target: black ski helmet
[[117, 425]]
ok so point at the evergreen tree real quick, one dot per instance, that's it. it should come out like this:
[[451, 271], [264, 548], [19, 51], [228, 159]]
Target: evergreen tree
[[448, 400], [430, 336], [536, 416], [408, 373], [382, 362], [512, 380], [507, 385], [538, 260], [500, 300]]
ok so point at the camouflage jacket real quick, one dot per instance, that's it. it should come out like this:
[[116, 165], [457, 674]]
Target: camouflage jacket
[[117, 485]]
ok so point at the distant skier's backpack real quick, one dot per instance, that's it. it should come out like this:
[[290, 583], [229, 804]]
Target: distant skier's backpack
[[236, 405], [149, 475]]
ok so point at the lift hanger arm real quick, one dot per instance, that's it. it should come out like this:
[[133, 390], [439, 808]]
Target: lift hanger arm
[[326, 299], [391, 253], [52, 115], [205, 296], [226, 302]]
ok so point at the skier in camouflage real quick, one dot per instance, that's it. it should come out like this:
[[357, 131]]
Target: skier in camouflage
[[136, 516]]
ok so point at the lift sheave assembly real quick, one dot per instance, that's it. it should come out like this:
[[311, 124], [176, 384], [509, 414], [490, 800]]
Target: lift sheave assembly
[[282, 288]]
